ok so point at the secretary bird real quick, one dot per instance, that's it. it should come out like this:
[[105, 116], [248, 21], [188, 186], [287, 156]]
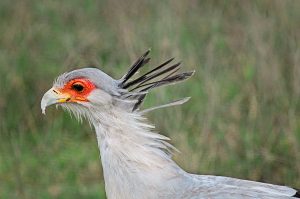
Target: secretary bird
[[136, 161]]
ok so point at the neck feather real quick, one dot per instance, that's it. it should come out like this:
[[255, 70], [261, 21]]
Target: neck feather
[[132, 153], [130, 135]]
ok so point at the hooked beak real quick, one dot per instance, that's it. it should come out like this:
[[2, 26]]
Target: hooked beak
[[53, 96]]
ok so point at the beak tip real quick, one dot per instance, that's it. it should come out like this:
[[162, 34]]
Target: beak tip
[[48, 99], [44, 104]]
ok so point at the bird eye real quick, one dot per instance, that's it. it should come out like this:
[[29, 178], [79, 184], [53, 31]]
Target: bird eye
[[78, 87]]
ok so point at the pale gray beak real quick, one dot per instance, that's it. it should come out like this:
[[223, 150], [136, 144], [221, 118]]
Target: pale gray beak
[[53, 96]]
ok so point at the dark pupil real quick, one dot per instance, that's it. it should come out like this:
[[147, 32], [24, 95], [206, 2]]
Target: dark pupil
[[77, 87]]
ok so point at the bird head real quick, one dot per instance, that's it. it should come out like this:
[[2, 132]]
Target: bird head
[[88, 90], [82, 90]]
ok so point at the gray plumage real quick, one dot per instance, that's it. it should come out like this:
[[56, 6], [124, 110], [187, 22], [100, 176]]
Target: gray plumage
[[137, 162]]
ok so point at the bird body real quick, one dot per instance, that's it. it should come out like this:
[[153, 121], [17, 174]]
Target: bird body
[[135, 167], [137, 162]]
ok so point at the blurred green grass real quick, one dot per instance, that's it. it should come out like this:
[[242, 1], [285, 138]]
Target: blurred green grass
[[243, 119]]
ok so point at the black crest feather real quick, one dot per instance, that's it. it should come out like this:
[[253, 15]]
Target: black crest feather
[[164, 74]]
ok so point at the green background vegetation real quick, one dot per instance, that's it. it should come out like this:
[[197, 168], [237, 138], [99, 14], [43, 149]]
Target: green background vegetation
[[243, 119]]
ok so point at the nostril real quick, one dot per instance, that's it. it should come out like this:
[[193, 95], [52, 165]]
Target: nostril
[[55, 91]]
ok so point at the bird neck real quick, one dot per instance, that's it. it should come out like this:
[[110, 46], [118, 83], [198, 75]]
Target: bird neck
[[132, 156]]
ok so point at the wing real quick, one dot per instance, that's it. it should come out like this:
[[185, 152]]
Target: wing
[[226, 187]]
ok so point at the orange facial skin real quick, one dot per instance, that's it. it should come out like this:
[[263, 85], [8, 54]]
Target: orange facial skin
[[77, 90]]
